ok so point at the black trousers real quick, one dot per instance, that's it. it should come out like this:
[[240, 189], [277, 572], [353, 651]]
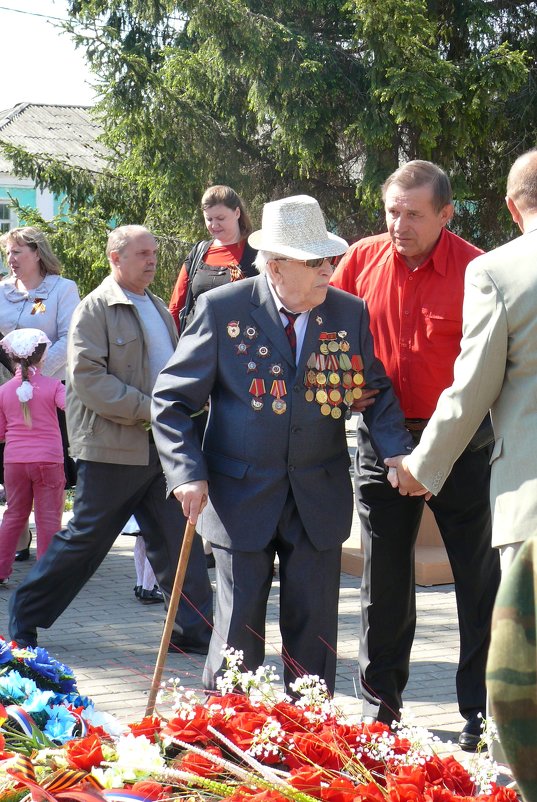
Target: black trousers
[[309, 597], [389, 525], [106, 496]]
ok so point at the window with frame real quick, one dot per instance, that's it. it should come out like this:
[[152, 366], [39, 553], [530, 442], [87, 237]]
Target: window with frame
[[5, 216], [6, 223]]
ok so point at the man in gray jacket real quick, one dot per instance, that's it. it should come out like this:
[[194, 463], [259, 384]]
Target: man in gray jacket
[[121, 336]]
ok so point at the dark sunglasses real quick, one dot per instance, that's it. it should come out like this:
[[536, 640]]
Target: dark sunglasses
[[310, 262]]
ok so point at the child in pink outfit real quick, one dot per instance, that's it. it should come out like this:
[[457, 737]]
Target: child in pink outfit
[[33, 456]]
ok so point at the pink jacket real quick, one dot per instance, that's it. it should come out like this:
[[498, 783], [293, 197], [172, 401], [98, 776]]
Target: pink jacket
[[43, 442]]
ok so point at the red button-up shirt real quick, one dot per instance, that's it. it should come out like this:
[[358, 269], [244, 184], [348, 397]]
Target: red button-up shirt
[[416, 316]]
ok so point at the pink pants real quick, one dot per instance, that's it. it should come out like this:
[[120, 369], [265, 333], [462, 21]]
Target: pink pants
[[25, 482]]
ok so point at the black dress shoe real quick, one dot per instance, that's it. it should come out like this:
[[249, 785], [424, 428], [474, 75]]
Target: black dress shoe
[[472, 735], [178, 644], [150, 596], [23, 554]]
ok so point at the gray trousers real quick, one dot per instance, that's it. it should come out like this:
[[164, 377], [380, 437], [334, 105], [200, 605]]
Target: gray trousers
[[106, 496]]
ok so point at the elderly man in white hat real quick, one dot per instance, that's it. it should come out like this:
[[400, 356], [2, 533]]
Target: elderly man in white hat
[[283, 359]]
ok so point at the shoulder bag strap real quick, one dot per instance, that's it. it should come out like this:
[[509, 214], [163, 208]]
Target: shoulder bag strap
[[247, 261], [192, 263]]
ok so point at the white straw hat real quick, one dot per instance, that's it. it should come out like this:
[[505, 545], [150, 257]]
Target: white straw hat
[[295, 227]]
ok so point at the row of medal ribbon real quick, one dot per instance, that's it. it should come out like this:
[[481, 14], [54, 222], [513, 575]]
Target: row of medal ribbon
[[332, 377]]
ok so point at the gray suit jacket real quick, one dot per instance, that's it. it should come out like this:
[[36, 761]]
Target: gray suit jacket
[[252, 459], [497, 370]]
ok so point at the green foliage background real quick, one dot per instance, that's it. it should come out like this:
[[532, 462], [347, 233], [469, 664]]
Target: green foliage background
[[318, 96]]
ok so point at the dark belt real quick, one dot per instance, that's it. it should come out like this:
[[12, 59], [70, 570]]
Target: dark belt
[[416, 424]]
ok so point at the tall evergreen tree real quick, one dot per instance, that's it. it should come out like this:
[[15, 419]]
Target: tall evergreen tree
[[319, 96]]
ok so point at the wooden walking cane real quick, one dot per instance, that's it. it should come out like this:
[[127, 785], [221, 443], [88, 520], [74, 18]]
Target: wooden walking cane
[[188, 537]]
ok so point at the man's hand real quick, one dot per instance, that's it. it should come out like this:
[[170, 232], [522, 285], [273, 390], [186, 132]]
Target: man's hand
[[193, 498], [399, 476], [366, 400]]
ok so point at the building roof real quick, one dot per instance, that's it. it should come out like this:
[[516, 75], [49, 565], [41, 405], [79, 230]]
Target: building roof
[[67, 134]]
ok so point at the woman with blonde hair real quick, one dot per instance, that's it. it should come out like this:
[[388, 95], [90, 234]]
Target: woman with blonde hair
[[35, 295]]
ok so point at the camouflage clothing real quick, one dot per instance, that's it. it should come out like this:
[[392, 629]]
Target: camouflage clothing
[[512, 668]]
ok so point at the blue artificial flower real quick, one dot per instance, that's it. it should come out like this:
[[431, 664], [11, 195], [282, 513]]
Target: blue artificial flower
[[14, 688], [5, 652], [38, 701], [75, 700], [60, 725], [67, 684], [43, 664]]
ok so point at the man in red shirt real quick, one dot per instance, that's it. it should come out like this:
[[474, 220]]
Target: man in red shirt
[[412, 279]]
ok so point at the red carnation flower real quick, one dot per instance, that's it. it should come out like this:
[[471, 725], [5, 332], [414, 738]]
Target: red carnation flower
[[84, 753], [151, 790], [148, 726], [406, 784], [308, 780], [320, 749], [191, 730], [198, 764], [241, 728], [456, 778]]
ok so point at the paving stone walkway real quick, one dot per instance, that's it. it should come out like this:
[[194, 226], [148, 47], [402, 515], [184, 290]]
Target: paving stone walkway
[[111, 640]]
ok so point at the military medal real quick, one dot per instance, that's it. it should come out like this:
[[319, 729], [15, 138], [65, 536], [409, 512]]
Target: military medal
[[257, 389], [334, 396], [349, 398], [276, 369], [233, 328], [241, 348], [332, 377], [250, 332], [278, 389], [251, 367], [263, 351]]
